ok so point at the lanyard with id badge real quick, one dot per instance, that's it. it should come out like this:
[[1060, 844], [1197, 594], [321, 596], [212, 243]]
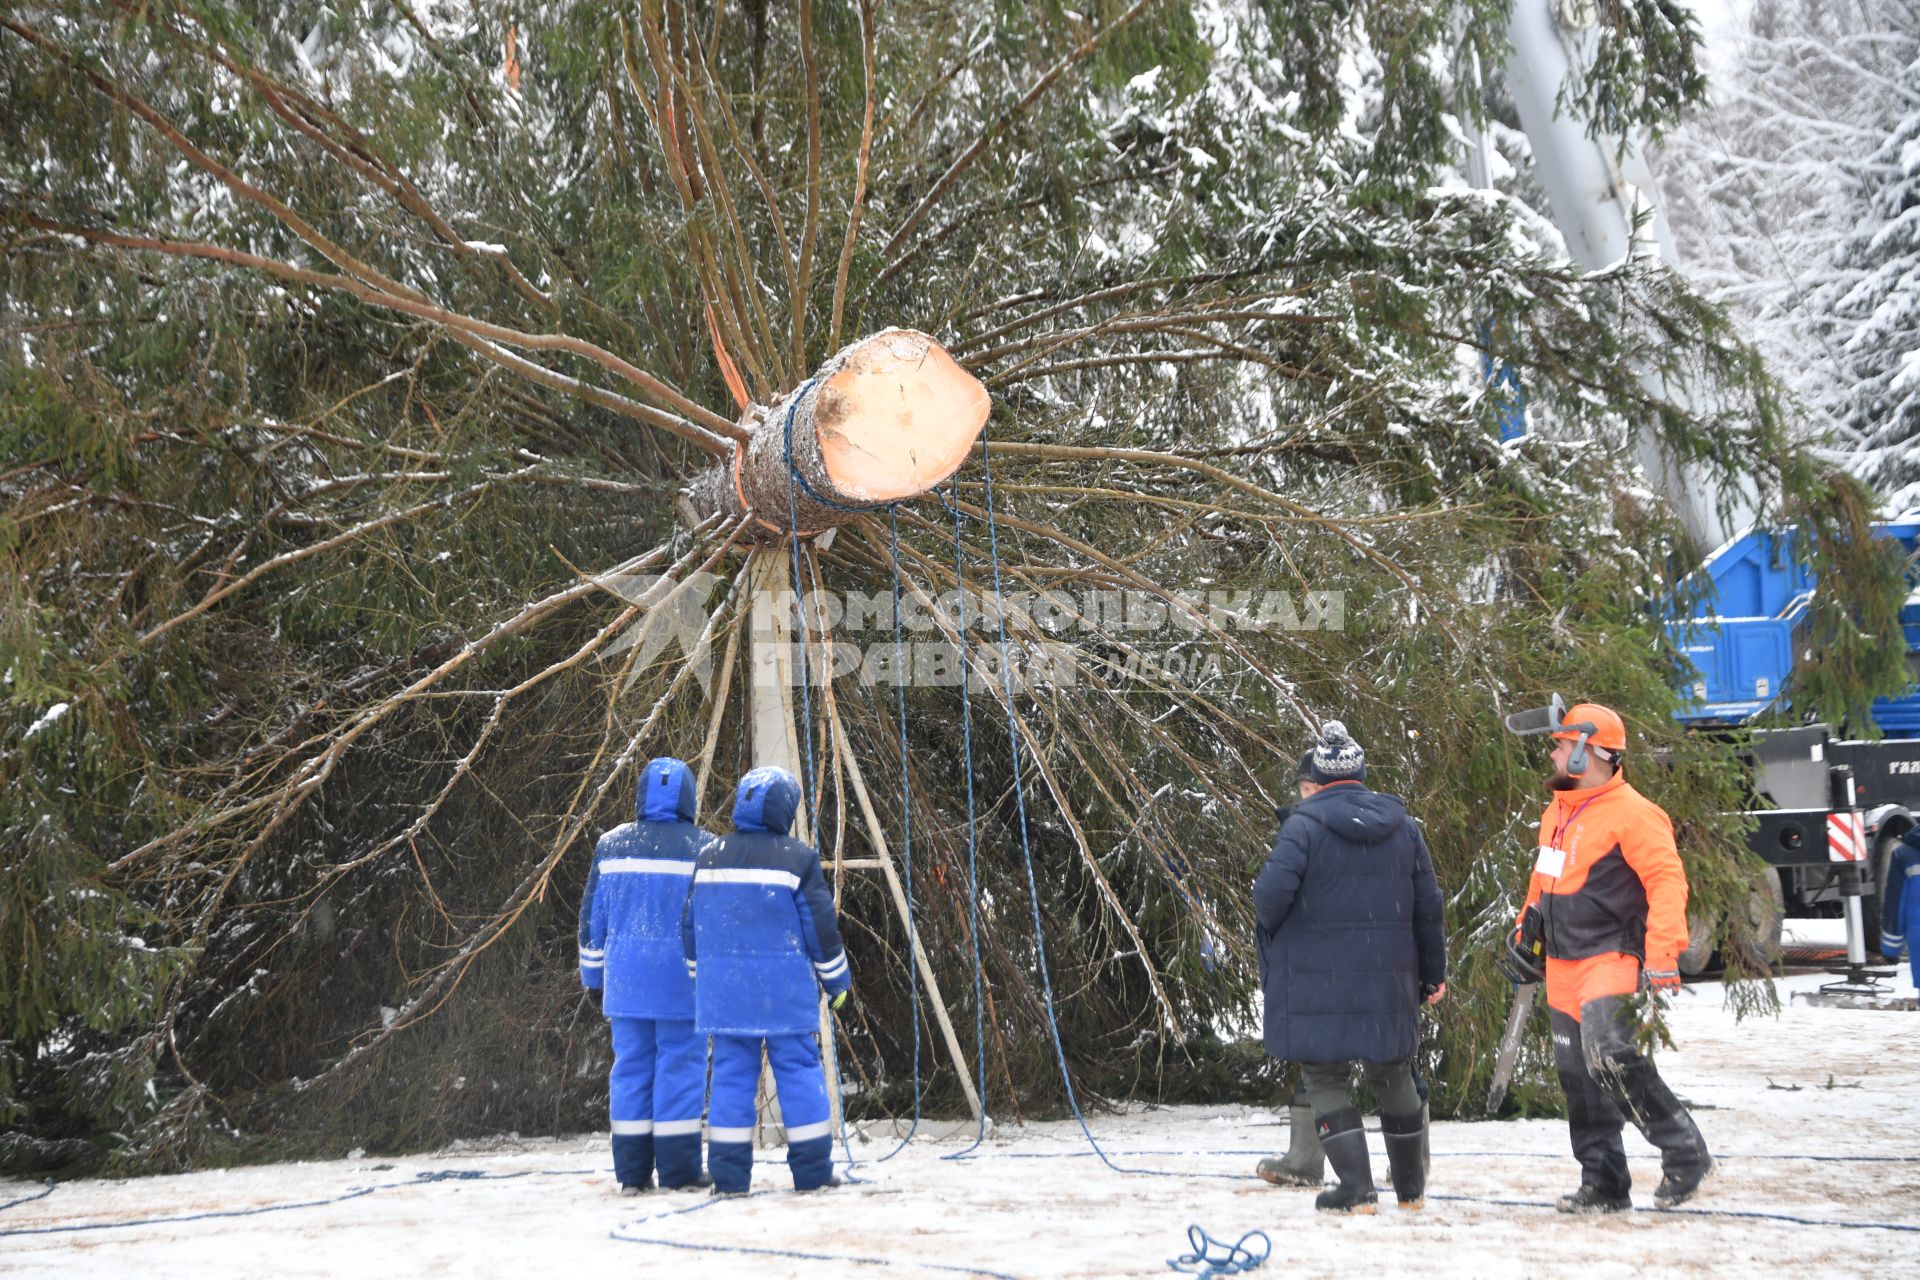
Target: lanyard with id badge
[[1552, 861]]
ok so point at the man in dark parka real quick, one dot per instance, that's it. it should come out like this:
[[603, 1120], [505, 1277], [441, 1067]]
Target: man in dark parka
[[1351, 941]]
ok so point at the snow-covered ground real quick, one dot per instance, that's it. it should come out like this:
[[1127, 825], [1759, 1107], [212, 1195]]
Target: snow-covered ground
[[1813, 1116]]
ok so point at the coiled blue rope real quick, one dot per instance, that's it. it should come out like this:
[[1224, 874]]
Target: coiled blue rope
[[1210, 1257]]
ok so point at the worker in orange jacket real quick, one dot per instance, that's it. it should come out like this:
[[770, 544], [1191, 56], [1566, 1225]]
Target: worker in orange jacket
[[1605, 917]]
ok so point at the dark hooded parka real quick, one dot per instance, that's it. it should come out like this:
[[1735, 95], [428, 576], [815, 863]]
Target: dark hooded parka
[[1350, 928]]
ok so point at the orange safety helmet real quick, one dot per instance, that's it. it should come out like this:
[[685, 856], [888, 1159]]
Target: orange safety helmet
[[1584, 724], [1588, 724], [1602, 725]]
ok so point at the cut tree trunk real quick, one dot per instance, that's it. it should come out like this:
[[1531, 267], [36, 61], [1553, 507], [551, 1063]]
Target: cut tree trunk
[[890, 417]]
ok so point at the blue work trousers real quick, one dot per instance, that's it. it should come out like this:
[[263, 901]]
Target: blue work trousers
[[654, 1099], [801, 1082]]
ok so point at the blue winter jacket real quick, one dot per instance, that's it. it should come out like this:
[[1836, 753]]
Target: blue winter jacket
[[630, 918], [759, 923], [1350, 927], [1900, 904]]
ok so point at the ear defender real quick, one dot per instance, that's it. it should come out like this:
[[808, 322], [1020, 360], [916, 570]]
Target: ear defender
[[1577, 762]]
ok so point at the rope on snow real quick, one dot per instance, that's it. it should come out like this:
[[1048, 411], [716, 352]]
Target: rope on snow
[[1210, 1257], [38, 1195]]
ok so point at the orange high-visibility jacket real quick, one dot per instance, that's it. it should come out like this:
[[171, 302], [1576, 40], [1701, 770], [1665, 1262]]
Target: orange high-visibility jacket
[[1608, 880]]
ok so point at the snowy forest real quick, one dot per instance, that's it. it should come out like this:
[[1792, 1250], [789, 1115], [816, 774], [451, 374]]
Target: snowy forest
[[352, 349]]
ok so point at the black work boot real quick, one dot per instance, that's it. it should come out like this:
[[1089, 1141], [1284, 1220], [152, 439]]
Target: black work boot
[[1591, 1199], [1406, 1138], [1662, 1118], [1305, 1164], [1345, 1142], [1679, 1184]]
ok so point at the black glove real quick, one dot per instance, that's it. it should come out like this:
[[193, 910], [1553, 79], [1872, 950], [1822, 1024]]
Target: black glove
[[839, 1002], [1525, 959]]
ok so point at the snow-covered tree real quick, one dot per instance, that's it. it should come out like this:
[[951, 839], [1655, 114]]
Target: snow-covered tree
[[1784, 197], [1871, 309]]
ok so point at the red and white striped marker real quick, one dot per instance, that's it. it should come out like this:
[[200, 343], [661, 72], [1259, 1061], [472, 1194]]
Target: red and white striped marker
[[1846, 837]]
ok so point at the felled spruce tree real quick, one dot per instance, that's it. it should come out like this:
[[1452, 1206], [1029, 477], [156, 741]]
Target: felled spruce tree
[[359, 354]]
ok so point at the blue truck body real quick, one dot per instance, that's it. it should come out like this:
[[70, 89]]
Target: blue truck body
[[1740, 634]]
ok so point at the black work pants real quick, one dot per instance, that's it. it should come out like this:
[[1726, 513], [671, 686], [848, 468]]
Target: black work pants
[[1608, 1081]]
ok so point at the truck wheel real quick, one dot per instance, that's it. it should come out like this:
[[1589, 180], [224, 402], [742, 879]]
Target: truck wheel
[[1875, 885], [1766, 912], [1699, 953]]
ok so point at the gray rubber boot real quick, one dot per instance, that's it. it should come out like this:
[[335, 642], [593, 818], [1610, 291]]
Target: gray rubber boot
[[1406, 1138], [1346, 1143], [1305, 1164]]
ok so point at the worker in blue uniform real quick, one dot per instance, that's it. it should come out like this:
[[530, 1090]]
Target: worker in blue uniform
[[762, 941], [1900, 903], [630, 950]]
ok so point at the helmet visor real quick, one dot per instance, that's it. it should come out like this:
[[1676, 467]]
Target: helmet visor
[[1539, 719]]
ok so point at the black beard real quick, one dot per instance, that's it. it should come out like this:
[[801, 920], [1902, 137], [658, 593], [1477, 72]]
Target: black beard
[[1563, 782]]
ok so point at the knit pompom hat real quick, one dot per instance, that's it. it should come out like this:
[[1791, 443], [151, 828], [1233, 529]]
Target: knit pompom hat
[[1336, 757]]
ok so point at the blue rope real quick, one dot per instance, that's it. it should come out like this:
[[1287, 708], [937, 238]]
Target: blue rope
[[915, 1263], [906, 823], [796, 478], [1230, 1260], [38, 1195], [1437, 1155], [811, 781], [665, 1243], [1758, 1215], [793, 522], [1026, 845], [352, 1193], [973, 874]]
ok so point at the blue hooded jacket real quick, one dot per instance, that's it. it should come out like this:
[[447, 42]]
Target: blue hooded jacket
[[630, 917], [759, 929], [1350, 927]]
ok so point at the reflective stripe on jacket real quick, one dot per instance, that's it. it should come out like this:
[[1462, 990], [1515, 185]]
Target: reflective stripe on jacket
[[759, 930], [630, 917]]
